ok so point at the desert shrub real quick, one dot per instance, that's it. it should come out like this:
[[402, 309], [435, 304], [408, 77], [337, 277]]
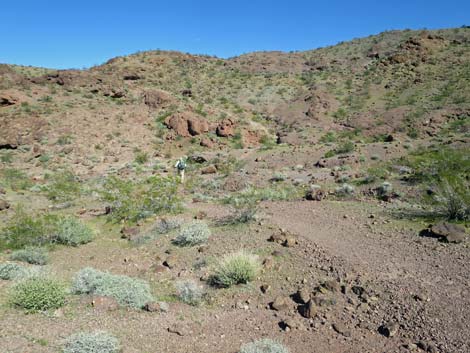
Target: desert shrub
[[31, 255], [345, 147], [71, 231], [11, 271], [194, 233], [38, 294], [141, 157], [245, 203], [127, 291], [450, 200], [384, 190], [135, 200], [190, 292], [264, 345], [62, 187], [27, 230], [24, 230], [15, 179], [236, 268], [434, 165], [443, 172], [344, 190], [92, 342]]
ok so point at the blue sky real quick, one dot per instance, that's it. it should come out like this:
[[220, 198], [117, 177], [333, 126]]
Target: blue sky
[[77, 34]]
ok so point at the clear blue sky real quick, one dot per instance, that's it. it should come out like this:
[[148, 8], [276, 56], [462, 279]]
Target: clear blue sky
[[76, 34]]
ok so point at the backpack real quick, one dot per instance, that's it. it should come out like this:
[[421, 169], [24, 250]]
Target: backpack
[[181, 165]]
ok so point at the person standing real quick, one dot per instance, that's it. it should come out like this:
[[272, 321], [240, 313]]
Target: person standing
[[180, 167]]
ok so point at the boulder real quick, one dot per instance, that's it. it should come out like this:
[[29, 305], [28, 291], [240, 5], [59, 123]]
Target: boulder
[[103, 303], [7, 100], [197, 126], [226, 128], [186, 124], [157, 99], [211, 169], [308, 310], [451, 233], [4, 205], [280, 303]]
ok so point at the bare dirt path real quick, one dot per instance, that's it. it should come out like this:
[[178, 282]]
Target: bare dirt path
[[390, 253]]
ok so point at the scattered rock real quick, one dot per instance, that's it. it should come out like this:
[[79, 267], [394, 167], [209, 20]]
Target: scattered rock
[[341, 329], [129, 233], [178, 329], [389, 329], [170, 261], [226, 128], [451, 233], [332, 285], [265, 288], [284, 238], [308, 310], [303, 295], [427, 347], [4, 205], [103, 303], [280, 303], [211, 169], [157, 307]]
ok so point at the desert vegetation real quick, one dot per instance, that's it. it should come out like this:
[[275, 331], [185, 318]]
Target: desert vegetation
[[324, 207]]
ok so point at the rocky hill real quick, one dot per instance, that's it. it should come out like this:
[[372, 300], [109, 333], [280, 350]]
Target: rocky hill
[[325, 205]]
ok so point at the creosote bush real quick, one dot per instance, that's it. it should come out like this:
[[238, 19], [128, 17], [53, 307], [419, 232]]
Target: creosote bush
[[31, 255], [127, 291], [265, 345], [38, 294], [70, 231], [190, 292], [63, 186], [131, 201], [24, 230], [194, 233], [236, 268], [92, 342]]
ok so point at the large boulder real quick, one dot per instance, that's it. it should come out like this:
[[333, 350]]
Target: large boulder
[[226, 128], [186, 124], [157, 99]]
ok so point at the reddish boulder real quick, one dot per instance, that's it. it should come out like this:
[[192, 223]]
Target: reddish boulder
[[157, 99], [226, 128]]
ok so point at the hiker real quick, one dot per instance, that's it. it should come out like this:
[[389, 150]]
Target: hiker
[[181, 166]]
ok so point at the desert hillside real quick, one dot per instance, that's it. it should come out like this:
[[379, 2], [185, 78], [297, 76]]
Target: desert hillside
[[325, 205]]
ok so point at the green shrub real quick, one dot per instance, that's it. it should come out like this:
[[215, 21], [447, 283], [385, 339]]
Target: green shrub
[[451, 199], [71, 231], [135, 200], [15, 179], [131, 292], [11, 271], [195, 233], [384, 190], [25, 230], [62, 187], [38, 294], [265, 345], [92, 342], [31, 255], [190, 292], [236, 268], [344, 190]]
